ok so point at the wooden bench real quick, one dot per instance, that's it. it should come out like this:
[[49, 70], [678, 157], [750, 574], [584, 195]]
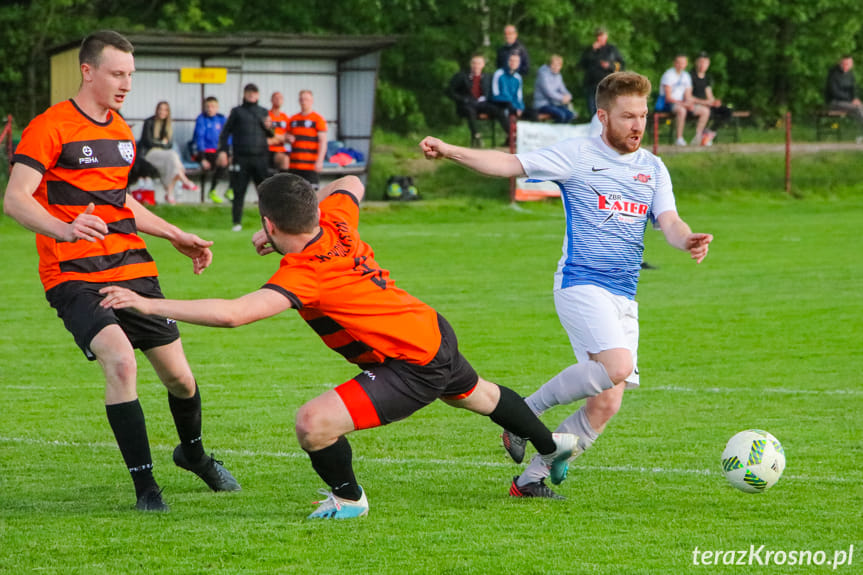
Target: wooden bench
[[828, 122]]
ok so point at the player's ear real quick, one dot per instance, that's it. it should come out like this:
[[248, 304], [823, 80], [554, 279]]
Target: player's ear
[[268, 225]]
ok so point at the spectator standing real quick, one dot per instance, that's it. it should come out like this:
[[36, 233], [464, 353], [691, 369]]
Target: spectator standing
[[470, 91], [248, 128], [702, 94], [513, 44], [278, 141], [208, 127], [675, 96], [308, 138], [507, 90], [598, 61], [550, 95], [841, 91], [157, 147]]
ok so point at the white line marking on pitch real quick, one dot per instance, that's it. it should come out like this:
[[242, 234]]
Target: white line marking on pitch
[[443, 462], [779, 390]]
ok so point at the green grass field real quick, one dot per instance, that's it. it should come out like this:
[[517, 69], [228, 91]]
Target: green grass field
[[765, 333]]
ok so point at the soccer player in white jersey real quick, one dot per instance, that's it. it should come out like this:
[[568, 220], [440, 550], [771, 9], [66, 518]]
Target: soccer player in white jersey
[[611, 187]]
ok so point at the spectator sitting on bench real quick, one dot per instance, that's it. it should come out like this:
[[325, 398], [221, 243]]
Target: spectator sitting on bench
[[550, 95], [841, 90], [470, 91], [675, 96], [702, 94], [157, 147], [507, 90], [208, 128]]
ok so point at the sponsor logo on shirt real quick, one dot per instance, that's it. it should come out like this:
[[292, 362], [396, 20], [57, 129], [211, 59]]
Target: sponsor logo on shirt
[[87, 156], [617, 204]]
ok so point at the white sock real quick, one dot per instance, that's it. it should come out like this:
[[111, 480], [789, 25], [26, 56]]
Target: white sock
[[576, 423], [573, 383]]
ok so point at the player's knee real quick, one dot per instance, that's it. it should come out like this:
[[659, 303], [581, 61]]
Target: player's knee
[[310, 426], [180, 384], [619, 370], [120, 369]]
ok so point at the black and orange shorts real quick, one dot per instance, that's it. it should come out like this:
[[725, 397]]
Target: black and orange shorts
[[391, 391]]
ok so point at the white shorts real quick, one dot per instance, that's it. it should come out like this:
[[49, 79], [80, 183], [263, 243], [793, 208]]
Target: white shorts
[[596, 320]]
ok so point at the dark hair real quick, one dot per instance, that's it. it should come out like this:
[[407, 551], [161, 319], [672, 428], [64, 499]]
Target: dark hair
[[250, 88], [703, 55], [289, 202], [211, 99], [93, 45], [620, 84]]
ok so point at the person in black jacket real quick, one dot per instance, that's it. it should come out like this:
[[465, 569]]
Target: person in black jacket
[[249, 127], [841, 90], [470, 90], [598, 61], [512, 44]]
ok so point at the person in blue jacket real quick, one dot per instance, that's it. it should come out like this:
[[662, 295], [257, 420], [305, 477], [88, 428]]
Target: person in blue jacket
[[507, 88], [205, 141]]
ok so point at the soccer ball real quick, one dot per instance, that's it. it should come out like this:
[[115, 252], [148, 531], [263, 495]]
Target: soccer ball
[[753, 461]]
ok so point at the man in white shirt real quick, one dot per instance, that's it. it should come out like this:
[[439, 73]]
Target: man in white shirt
[[610, 188], [675, 96]]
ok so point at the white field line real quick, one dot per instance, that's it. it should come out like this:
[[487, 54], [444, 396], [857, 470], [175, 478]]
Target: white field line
[[438, 462], [776, 390]]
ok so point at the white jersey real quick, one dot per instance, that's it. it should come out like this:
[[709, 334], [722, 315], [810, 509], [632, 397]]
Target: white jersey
[[608, 198]]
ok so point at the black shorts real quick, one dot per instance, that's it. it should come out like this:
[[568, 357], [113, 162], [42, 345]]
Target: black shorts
[[77, 304], [393, 390]]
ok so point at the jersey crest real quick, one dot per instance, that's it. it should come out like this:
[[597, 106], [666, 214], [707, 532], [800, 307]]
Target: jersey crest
[[127, 151]]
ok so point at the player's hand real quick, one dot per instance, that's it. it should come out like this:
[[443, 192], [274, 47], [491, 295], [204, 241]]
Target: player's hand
[[117, 297], [205, 165], [262, 243], [433, 148], [86, 227], [697, 245], [194, 247]]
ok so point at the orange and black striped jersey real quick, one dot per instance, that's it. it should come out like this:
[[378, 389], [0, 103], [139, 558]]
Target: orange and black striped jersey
[[84, 161], [280, 128], [306, 147], [350, 301]]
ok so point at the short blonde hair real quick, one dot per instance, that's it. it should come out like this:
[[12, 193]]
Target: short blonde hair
[[621, 84]]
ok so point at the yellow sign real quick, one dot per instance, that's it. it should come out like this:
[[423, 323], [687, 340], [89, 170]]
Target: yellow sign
[[203, 75]]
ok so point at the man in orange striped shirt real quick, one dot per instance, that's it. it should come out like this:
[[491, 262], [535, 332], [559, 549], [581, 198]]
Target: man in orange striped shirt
[[69, 184], [308, 137], [408, 352], [279, 147]]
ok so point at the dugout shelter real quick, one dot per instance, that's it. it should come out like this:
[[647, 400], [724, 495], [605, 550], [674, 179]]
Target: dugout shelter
[[341, 71]]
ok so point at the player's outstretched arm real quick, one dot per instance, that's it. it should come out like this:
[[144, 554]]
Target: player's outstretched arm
[[351, 184], [188, 244], [249, 308], [678, 234], [20, 205], [488, 162]]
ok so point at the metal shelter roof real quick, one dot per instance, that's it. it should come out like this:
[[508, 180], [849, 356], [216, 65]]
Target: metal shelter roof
[[209, 45]]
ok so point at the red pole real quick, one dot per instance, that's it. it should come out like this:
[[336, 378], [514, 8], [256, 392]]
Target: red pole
[[512, 133], [655, 134], [787, 152]]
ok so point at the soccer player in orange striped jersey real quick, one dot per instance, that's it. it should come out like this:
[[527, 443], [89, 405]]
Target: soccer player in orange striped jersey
[[408, 353], [308, 137], [69, 185], [278, 141]]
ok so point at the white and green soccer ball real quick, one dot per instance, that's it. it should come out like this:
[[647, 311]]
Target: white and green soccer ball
[[753, 461]]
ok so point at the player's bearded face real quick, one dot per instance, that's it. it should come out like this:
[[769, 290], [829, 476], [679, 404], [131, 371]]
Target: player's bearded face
[[624, 125]]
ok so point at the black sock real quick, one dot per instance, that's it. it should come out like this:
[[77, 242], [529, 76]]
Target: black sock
[[333, 464], [513, 414], [187, 419], [130, 430]]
